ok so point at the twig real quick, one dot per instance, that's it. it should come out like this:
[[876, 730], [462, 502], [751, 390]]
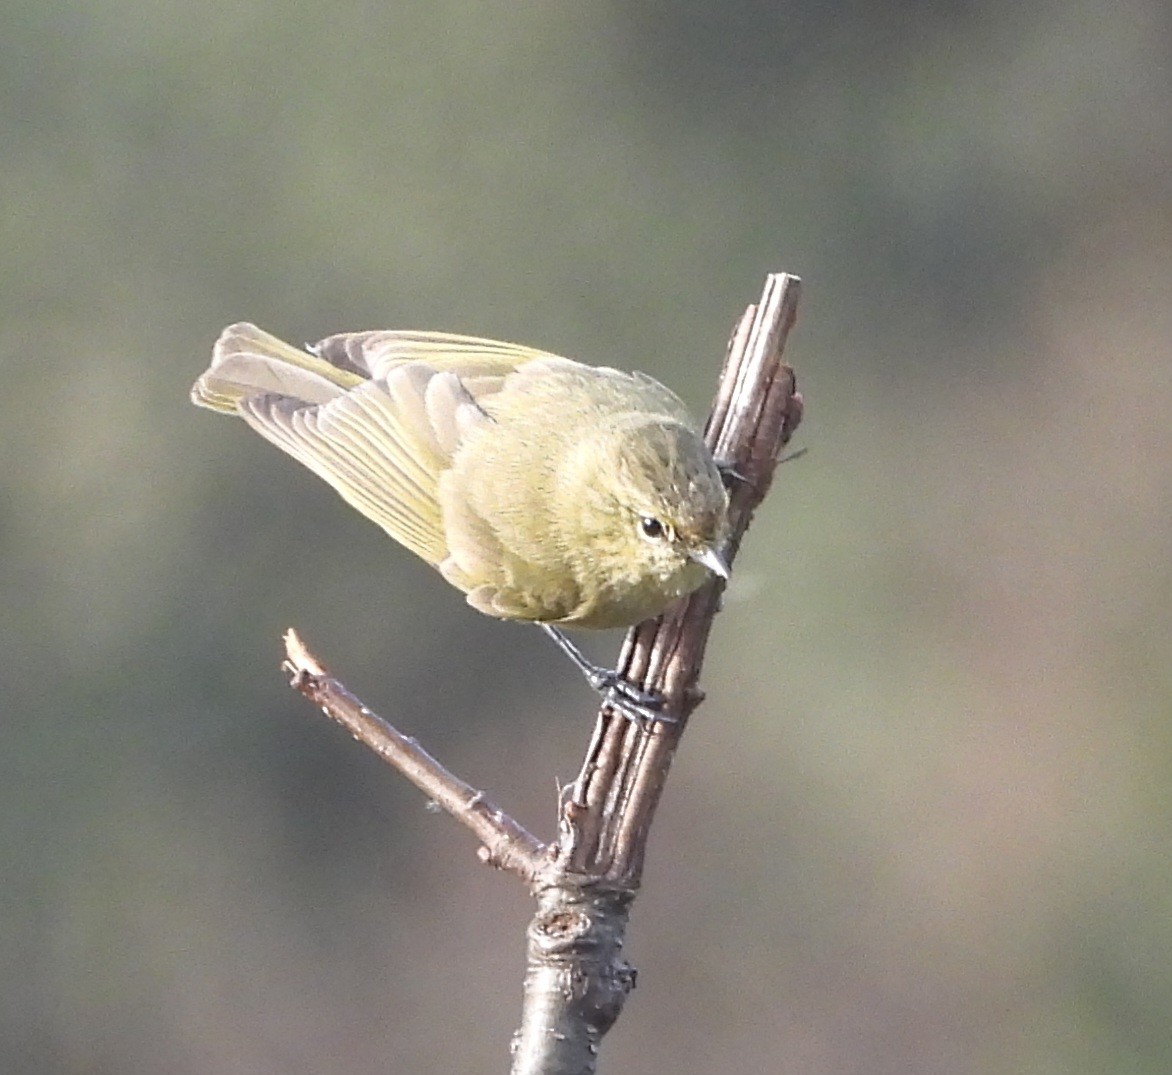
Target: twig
[[504, 843]]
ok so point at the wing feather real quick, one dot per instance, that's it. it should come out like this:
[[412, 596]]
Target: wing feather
[[471, 358], [379, 416], [354, 444]]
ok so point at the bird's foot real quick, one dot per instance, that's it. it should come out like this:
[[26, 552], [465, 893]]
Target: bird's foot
[[634, 703]]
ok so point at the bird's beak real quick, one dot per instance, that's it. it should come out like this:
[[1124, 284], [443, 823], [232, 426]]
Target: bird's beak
[[711, 559]]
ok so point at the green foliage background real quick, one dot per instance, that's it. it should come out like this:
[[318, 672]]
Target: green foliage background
[[922, 824]]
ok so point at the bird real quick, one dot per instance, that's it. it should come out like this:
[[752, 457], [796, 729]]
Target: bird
[[545, 489]]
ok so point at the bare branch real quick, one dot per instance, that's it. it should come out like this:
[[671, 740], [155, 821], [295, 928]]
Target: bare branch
[[575, 988], [504, 843], [754, 415]]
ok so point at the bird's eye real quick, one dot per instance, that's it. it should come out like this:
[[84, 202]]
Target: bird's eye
[[652, 529]]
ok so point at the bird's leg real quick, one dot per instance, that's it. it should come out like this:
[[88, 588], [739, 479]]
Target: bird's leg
[[626, 698]]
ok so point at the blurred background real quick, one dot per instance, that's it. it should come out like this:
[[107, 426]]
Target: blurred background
[[922, 824]]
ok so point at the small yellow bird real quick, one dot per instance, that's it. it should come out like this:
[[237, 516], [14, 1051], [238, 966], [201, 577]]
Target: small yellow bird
[[546, 490]]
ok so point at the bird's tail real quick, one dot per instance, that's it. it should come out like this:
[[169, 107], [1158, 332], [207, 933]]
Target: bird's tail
[[247, 362]]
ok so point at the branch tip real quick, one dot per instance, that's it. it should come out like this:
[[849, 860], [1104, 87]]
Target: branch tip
[[505, 844]]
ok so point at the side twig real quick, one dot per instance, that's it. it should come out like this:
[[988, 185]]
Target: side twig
[[504, 843]]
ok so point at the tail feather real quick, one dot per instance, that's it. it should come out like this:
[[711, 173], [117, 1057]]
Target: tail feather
[[247, 361]]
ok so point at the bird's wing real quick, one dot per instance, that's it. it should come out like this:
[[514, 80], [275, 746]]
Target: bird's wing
[[482, 365], [383, 441], [382, 446], [377, 415]]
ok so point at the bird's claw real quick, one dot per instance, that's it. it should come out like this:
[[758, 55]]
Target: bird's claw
[[632, 702]]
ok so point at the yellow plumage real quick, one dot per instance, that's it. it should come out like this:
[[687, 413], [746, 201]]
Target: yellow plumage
[[543, 488]]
